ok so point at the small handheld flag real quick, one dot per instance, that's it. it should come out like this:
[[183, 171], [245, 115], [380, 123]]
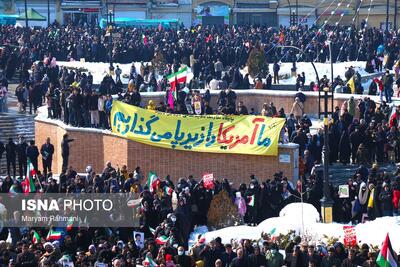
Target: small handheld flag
[[53, 235], [152, 181], [386, 257], [35, 237], [251, 200]]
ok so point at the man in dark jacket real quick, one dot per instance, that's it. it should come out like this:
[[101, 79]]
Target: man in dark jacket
[[65, 151], [32, 153], [386, 200], [2, 149], [26, 258], [21, 153], [240, 260], [257, 259], [387, 80], [182, 259], [228, 256], [47, 151], [11, 156], [210, 254], [331, 259]]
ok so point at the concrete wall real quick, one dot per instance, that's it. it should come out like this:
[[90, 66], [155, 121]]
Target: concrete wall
[[256, 98], [95, 148]]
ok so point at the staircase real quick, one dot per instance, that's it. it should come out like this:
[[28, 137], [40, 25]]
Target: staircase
[[14, 125]]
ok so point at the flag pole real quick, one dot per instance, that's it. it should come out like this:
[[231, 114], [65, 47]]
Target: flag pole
[[40, 184]]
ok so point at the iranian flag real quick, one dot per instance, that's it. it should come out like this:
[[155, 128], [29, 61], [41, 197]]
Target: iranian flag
[[168, 190], [53, 235], [149, 262], [28, 184], [251, 200], [177, 78], [152, 181], [386, 257], [70, 224], [36, 237], [152, 230], [161, 240]]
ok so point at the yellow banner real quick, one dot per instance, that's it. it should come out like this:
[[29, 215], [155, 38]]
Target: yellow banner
[[255, 135]]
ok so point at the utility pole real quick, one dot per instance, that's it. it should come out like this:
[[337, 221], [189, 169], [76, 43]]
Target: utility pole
[[26, 13], [387, 16], [48, 13], [395, 15], [297, 12]]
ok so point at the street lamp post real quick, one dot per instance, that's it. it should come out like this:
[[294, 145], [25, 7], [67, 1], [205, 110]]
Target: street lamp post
[[26, 13], [48, 13], [110, 38], [387, 16], [395, 16], [326, 201]]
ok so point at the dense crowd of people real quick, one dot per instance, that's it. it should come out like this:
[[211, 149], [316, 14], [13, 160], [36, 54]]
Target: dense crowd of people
[[166, 217], [197, 47]]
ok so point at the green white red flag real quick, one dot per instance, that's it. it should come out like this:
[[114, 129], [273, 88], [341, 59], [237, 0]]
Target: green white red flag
[[70, 224], [54, 235], [168, 190], [28, 185], [176, 78], [152, 181], [251, 201], [152, 230], [386, 257], [161, 240], [35, 237], [149, 262]]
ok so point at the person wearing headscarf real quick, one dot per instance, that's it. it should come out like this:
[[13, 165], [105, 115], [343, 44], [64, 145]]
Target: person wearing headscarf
[[151, 105]]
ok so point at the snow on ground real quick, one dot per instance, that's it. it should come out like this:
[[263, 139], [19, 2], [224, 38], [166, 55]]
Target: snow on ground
[[290, 218], [100, 69], [322, 68]]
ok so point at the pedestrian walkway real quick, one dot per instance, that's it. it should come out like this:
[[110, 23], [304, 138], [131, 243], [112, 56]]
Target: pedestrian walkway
[[13, 125]]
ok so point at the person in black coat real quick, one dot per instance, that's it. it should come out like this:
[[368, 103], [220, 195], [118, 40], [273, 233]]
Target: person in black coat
[[295, 259], [32, 153], [47, 151], [21, 153], [65, 151], [210, 254], [257, 259], [240, 260], [2, 149], [228, 255], [344, 148], [182, 259], [386, 200], [26, 258], [11, 156]]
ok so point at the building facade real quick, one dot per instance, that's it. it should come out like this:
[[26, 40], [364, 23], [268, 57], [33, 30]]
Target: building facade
[[271, 13]]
